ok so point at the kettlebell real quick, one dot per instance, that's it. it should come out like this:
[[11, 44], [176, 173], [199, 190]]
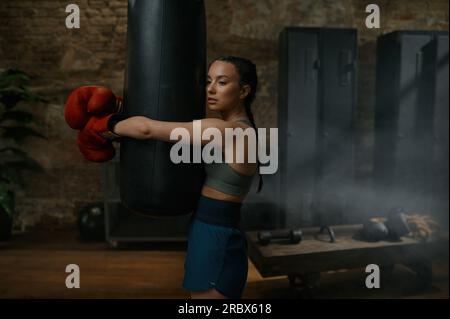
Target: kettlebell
[[91, 222], [397, 224], [374, 231]]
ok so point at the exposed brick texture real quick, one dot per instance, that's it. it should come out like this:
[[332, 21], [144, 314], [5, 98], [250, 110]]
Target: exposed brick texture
[[33, 37]]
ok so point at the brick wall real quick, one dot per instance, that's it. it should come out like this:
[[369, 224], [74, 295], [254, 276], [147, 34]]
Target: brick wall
[[33, 37]]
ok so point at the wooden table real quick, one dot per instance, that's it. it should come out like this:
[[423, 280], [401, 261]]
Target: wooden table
[[304, 262]]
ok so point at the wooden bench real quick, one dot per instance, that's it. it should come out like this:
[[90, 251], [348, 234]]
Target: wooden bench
[[304, 262]]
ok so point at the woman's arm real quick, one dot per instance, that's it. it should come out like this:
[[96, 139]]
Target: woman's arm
[[142, 128], [134, 127]]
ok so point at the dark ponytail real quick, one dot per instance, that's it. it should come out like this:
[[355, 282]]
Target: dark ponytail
[[248, 76]]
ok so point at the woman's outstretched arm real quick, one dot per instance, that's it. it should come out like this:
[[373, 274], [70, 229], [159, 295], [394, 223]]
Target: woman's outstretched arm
[[143, 128]]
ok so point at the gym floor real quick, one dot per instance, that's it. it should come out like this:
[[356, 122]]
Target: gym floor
[[33, 265]]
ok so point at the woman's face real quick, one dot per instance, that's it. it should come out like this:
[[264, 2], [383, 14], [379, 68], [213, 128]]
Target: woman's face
[[222, 87]]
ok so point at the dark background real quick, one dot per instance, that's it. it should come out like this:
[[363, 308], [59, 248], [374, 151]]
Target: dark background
[[33, 37]]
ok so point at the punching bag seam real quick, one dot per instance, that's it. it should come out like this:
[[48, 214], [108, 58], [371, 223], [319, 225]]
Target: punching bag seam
[[156, 143]]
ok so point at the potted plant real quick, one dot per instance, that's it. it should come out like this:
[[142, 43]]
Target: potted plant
[[15, 126]]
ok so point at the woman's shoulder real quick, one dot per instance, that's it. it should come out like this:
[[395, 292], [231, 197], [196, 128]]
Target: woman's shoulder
[[242, 123]]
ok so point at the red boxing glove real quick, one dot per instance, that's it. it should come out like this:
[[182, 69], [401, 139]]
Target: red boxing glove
[[94, 141], [89, 109], [86, 101]]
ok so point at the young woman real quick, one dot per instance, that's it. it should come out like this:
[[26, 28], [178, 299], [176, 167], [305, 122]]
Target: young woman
[[216, 264]]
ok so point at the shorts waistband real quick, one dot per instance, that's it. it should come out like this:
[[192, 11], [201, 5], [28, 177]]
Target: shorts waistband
[[218, 212]]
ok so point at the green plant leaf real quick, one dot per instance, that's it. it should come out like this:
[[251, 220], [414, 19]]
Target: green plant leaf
[[9, 100], [11, 168], [6, 199], [13, 160], [11, 76], [18, 133], [11, 175], [15, 151], [28, 164], [12, 95], [18, 116]]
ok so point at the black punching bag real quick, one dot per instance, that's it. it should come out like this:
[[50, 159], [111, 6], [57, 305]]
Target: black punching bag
[[165, 80]]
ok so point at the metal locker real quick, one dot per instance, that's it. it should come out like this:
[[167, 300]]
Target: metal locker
[[338, 94], [406, 108], [298, 109], [316, 102], [436, 93]]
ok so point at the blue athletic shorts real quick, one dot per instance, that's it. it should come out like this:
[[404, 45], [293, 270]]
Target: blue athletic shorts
[[217, 254]]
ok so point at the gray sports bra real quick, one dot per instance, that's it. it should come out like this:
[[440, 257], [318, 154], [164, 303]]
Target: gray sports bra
[[222, 177]]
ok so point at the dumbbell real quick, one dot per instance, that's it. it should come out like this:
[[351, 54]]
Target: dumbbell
[[292, 236]]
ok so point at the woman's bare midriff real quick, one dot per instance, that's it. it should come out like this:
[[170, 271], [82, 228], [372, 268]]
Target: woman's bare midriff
[[215, 194]]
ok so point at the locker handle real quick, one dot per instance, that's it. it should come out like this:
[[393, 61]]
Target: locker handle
[[346, 66], [309, 66], [317, 64], [419, 64]]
